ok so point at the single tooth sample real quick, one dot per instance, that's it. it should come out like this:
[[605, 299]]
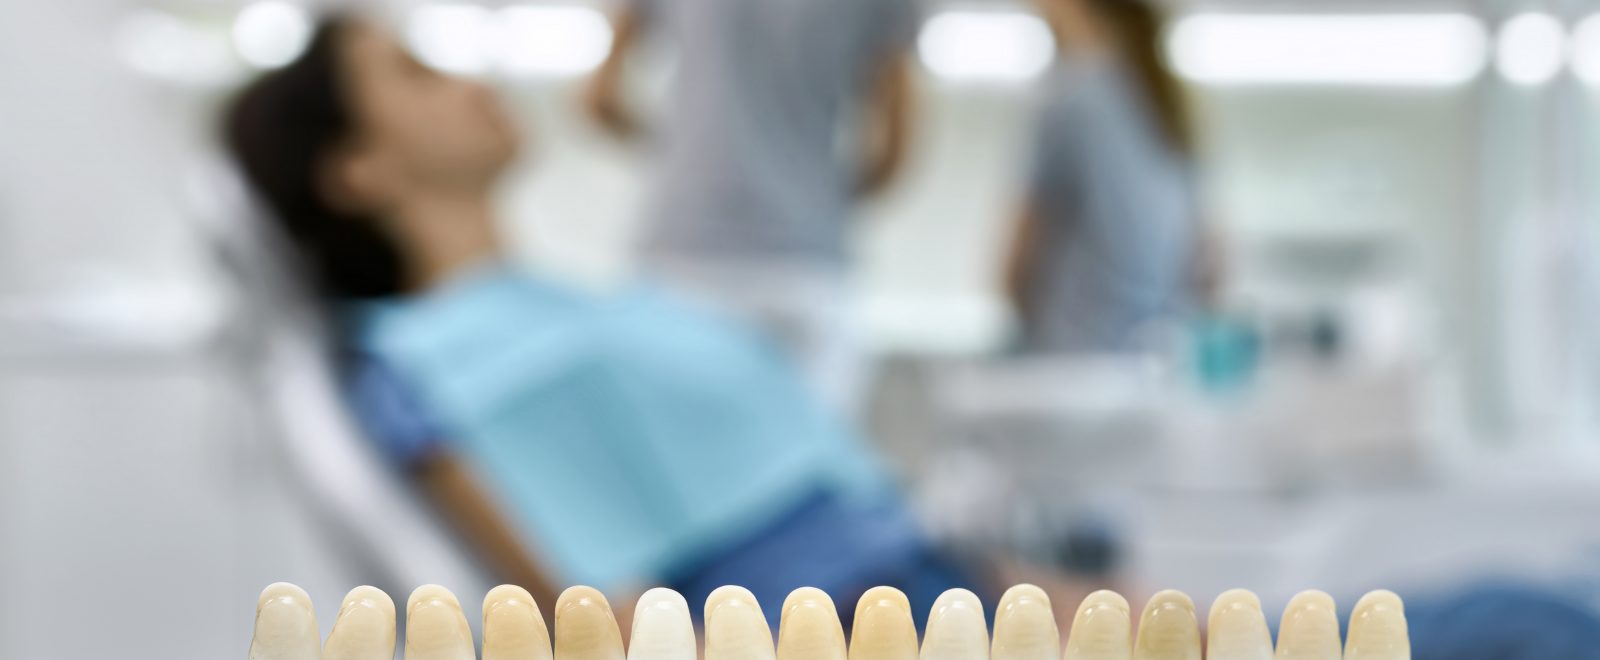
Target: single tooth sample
[[662, 629], [1238, 629], [1101, 630], [436, 628], [585, 627], [736, 629], [286, 625], [513, 626], [1310, 628], [883, 629], [1168, 629], [364, 629], [1378, 629], [1025, 626], [956, 628], [809, 627]]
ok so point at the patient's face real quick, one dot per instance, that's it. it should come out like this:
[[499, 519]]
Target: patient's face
[[416, 126]]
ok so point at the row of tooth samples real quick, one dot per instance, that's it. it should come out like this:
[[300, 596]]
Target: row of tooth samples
[[1024, 628]]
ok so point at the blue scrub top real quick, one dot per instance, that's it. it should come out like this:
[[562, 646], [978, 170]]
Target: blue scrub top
[[749, 164], [630, 435], [1117, 219]]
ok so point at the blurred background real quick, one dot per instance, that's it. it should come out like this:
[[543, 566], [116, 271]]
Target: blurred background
[[1395, 384]]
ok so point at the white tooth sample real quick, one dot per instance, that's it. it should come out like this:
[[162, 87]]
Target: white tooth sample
[[956, 628], [1237, 628], [883, 629], [286, 625], [1310, 628], [1168, 629], [1025, 626], [585, 627], [809, 628], [364, 629], [1378, 629], [513, 626], [662, 629], [736, 629], [1101, 630], [436, 628]]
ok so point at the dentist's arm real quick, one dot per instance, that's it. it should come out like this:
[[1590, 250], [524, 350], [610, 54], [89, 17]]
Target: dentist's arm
[[1210, 271], [604, 98], [1020, 262], [889, 112]]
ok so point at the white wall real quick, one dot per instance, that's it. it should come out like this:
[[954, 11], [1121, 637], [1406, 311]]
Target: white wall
[[132, 496]]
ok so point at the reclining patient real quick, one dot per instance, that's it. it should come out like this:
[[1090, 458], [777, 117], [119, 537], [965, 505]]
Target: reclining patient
[[623, 441]]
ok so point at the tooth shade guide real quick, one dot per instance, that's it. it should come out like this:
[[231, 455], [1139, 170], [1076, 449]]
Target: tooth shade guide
[[1024, 628]]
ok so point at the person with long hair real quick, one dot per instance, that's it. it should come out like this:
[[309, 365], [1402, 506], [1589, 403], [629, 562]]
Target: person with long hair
[[1110, 245], [624, 441]]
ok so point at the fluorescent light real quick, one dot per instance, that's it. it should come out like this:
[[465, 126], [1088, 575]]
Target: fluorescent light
[[162, 46], [458, 38], [1530, 49], [546, 40], [271, 34], [1585, 48], [1398, 50], [986, 45], [152, 42], [520, 40]]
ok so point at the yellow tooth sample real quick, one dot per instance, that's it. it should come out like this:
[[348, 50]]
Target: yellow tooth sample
[[809, 628], [1237, 628], [513, 626], [662, 629], [1168, 629], [735, 627], [883, 629], [1101, 630], [1378, 629], [1310, 628], [1025, 627], [956, 628], [585, 627], [436, 628], [364, 629], [286, 625]]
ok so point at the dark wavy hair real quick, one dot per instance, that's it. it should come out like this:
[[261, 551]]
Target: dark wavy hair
[[1139, 26], [280, 129]]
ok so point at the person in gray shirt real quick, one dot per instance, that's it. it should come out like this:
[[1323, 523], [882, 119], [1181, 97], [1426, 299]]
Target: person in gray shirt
[[782, 113], [1109, 246]]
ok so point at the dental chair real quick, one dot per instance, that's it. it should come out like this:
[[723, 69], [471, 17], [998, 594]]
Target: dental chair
[[363, 502], [356, 502]]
